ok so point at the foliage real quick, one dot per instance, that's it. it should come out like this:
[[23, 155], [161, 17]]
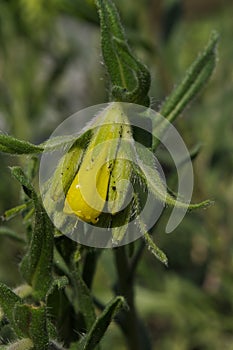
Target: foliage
[[56, 306]]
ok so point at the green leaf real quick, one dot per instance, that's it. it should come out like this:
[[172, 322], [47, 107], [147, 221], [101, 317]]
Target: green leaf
[[38, 328], [5, 231], [9, 144], [11, 213], [8, 300], [32, 322], [130, 79], [195, 78], [22, 318], [36, 266], [92, 339], [18, 173]]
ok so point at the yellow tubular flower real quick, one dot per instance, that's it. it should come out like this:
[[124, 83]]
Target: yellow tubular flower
[[88, 192]]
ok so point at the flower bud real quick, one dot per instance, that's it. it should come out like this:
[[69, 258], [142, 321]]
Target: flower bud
[[100, 173]]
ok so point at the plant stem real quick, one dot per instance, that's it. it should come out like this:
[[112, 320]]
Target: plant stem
[[135, 261], [130, 323], [89, 267]]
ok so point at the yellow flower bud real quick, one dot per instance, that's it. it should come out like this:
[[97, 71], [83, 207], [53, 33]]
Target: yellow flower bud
[[91, 181], [89, 190]]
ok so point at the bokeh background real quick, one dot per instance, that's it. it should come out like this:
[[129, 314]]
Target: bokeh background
[[51, 67]]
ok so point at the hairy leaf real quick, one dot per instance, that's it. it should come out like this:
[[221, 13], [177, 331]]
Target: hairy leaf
[[9, 144], [195, 78], [130, 79], [36, 266], [8, 300], [101, 324]]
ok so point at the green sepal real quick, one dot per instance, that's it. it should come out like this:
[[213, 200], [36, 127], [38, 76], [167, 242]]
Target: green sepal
[[152, 178], [120, 225], [152, 247], [121, 170], [55, 188], [59, 142]]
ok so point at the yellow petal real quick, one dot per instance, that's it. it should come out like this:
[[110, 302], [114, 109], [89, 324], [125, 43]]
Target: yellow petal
[[87, 194]]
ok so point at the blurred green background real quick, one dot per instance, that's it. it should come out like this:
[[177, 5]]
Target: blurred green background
[[50, 67]]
